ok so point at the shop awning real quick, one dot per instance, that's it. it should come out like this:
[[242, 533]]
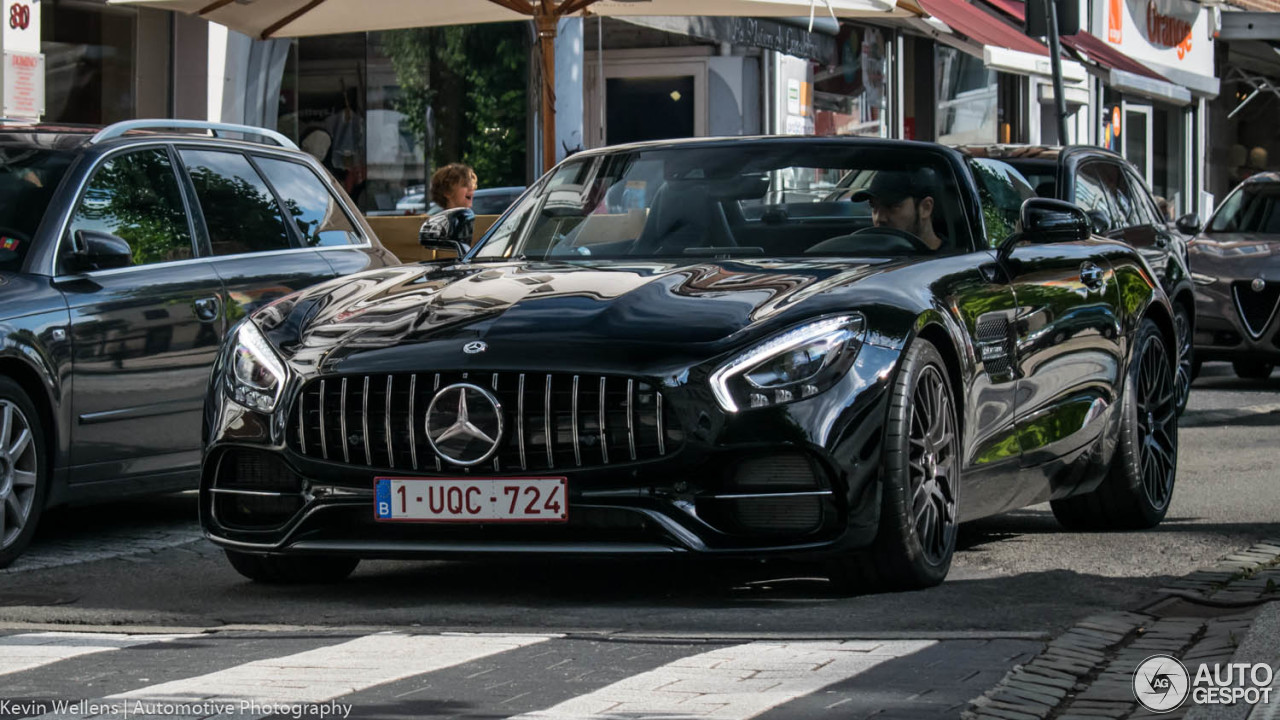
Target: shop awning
[[981, 26], [1123, 73], [1004, 46]]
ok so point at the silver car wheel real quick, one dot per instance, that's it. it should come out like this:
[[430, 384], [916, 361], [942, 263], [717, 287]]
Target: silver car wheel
[[18, 472]]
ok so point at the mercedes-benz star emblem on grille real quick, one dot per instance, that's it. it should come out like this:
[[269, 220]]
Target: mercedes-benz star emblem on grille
[[1258, 285], [464, 424], [472, 348]]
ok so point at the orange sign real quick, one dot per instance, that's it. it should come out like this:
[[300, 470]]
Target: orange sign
[[1115, 118], [1115, 21]]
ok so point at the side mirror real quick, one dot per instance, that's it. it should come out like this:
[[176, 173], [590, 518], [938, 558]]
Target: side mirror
[[96, 250], [1188, 224], [1045, 220], [448, 230]]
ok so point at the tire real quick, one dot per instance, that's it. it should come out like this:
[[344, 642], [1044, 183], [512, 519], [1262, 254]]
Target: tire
[[1252, 369], [304, 569], [1187, 366], [1139, 485], [24, 471], [919, 513]]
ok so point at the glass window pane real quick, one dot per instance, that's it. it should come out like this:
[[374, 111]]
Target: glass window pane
[[136, 198], [1091, 196], [1002, 190], [28, 179], [239, 210], [315, 210], [967, 93]]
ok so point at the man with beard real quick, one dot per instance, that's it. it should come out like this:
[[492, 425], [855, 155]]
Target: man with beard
[[903, 200]]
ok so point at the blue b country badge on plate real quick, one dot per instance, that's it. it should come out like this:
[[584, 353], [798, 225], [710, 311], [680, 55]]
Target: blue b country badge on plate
[[382, 498]]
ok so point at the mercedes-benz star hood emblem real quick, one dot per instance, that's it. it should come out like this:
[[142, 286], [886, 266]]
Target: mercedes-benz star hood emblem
[[477, 346], [464, 424]]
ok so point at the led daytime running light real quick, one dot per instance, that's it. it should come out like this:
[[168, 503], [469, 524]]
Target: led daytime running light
[[785, 342]]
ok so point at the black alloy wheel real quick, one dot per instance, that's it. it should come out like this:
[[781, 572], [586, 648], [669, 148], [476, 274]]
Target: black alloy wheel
[[1158, 423], [1186, 357], [919, 508], [23, 483], [932, 466], [1138, 488]]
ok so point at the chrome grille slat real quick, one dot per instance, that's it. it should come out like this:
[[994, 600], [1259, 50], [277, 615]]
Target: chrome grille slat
[[413, 440], [342, 421], [302, 422], [435, 388], [577, 452], [662, 435], [364, 421], [546, 424], [604, 438], [324, 445], [391, 456], [567, 419], [631, 430], [520, 422]]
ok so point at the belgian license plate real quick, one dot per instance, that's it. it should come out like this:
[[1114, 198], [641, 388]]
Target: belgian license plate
[[471, 500]]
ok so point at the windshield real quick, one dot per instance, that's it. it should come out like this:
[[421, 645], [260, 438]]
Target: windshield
[[28, 179], [1251, 208], [754, 198]]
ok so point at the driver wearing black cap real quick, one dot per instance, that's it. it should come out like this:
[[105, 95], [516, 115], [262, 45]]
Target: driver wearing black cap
[[903, 200]]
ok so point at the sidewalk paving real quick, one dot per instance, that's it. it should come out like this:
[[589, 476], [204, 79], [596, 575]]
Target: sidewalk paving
[[1220, 615]]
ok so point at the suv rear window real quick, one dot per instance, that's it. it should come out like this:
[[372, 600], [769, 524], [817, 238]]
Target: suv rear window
[[28, 179]]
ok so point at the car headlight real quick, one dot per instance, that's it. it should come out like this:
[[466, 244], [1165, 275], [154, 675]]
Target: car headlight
[[257, 375], [794, 365]]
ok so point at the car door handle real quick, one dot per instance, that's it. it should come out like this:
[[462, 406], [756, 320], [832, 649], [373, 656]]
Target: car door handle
[[207, 309], [1091, 276]]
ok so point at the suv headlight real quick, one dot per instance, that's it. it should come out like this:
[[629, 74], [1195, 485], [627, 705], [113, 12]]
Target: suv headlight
[[794, 365], [257, 375]]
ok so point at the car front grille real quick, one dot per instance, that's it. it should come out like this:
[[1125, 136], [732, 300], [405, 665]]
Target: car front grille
[[551, 421], [1256, 306]]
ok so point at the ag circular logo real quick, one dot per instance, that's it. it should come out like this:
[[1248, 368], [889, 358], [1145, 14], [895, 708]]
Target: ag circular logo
[[1161, 683], [464, 424]]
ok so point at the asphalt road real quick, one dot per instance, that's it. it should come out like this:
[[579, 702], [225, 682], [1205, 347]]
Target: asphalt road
[[142, 563]]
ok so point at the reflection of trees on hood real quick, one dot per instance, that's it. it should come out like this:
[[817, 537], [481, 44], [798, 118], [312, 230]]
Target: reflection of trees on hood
[[136, 196]]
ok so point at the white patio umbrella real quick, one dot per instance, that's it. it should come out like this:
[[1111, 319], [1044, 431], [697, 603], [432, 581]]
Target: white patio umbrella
[[297, 18]]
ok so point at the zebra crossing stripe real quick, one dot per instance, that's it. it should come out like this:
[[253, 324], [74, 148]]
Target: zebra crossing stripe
[[32, 650], [731, 683], [320, 675]]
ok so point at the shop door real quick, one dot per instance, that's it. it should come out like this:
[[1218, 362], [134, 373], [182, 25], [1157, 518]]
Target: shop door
[[1137, 138]]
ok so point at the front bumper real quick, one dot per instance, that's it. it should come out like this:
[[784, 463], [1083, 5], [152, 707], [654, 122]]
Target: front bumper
[[1235, 322], [712, 495]]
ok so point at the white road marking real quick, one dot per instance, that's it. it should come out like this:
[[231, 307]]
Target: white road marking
[[32, 650], [311, 677], [731, 683]]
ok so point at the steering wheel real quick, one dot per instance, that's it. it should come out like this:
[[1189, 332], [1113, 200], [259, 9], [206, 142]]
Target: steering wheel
[[915, 242]]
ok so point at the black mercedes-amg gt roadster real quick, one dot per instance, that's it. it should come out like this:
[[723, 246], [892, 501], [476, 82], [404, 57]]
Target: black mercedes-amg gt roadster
[[832, 348]]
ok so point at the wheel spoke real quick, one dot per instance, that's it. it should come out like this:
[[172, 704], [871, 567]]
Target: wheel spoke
[[23, 478], [6, 424], [20, 445]]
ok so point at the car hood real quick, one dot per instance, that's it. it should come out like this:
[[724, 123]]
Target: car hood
[[1235, 255], [594, 316]]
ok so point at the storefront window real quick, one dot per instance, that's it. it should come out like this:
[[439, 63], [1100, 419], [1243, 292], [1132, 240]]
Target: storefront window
[[850, 98], [89, 54], [967, 98], [381, 110]]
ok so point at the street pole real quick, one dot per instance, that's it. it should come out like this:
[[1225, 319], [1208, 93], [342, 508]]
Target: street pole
[[1055, 62], [546, 24]]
